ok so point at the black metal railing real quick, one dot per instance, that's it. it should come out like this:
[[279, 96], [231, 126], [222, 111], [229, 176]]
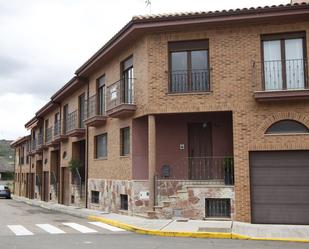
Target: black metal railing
[[33, 144], [39, 140], [49, 134], [120, 92], [93, 107], [218, 208], [279, 75], [72, 121], [57, 128], [185, 81], [219, 169]]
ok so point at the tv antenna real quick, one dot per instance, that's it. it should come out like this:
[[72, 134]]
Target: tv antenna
[[148, 4]]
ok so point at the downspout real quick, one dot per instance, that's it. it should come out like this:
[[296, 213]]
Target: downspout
[[14, 171], [87, 149], [58, 190]]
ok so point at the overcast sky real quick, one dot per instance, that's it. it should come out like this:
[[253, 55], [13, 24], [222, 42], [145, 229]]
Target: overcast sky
[[42, 43]]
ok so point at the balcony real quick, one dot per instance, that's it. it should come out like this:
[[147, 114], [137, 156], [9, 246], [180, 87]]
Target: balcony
[[280, 80], [58, 136], [39, 144], [48, 136], [189, 81], [73, 126], [95, 117], [120, 98]]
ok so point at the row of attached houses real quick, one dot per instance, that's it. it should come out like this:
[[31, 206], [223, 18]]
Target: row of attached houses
[[196, 115]]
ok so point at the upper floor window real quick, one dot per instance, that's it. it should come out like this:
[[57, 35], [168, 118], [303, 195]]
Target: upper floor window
[[65, 117], [81, 110], [287, 126], [189, 66], [127, 81], [101, 95], [284, 61]]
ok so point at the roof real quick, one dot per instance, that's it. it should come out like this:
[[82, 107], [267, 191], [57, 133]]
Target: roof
[[139, 24], [19, 141], [196, 17]]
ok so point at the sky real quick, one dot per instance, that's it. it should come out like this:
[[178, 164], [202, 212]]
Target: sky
[[43, 42]]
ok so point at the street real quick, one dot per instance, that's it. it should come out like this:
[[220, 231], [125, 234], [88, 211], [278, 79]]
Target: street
[[27, 227]]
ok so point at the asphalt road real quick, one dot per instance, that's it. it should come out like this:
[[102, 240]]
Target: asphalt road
[[26, 227]]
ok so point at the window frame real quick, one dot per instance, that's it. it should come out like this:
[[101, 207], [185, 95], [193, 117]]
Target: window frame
[[268, 132], [187, 46], [282, 37], [95, 199], [98, 87], [123, 152], [96, 146]]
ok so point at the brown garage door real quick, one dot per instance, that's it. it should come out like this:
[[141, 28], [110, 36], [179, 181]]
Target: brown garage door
[[280, 187]]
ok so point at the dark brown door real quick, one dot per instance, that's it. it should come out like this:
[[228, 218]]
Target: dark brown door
[[200, 151], [46, 186], [65, 186], [280, 187]]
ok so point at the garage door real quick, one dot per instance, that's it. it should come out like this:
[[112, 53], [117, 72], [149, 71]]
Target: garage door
[[280, 187]]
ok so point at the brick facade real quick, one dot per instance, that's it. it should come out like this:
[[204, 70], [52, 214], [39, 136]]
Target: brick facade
[[232, 50]]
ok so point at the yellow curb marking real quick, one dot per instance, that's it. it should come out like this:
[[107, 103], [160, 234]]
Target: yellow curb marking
[[212, 235]]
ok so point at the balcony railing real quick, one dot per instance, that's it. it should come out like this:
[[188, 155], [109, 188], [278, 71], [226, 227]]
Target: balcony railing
[[57, 128], [220, 169], [120, 92], [33, 144], [186, 81], [72, 121], [93, 107], [280, 75], [39, 141], [49, 135]]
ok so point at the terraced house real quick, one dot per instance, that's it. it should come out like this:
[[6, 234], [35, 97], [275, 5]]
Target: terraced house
[[198, 115]]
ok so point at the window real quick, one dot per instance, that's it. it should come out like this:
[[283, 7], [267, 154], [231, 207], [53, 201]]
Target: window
[[125, 141], [283, 61], [101, 146], [219, 208], [287, 126], [82, 113], [57, 124], [101, 95], [124, 202], [95, 197], [46, 129], [65, 117], [189, 66], [127, 81]]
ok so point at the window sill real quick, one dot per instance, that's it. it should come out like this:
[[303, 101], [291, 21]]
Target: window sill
[[287, 134], [263, 96], [123, 157], [189, 93], [100, 159]]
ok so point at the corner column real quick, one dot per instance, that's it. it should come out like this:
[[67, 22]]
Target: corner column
[[151, 159]]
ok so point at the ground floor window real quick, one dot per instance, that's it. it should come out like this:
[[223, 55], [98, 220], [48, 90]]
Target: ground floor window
[[218, 208], [124, 202], [95, 197]]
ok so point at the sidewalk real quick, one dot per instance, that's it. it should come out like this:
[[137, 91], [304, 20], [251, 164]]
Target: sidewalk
[[183, 228]]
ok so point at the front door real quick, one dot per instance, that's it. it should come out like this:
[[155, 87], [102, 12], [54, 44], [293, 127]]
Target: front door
[[46, 186], [200, 151]]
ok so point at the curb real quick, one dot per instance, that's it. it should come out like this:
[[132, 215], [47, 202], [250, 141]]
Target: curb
[[209, 235], [159, 232]]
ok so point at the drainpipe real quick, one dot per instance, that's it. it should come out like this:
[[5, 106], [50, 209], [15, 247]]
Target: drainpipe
[[87, 150], [14, 171]]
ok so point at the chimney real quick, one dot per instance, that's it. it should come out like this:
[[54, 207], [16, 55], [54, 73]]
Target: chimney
[[299, 1]]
